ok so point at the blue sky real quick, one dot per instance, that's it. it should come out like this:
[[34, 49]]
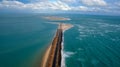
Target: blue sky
[[39, 6]]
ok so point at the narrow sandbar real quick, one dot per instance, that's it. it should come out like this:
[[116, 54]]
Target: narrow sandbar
[[56, 18], [64, 27]]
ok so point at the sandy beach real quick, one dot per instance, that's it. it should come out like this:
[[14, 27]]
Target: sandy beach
[[44, 60], [64, 27]]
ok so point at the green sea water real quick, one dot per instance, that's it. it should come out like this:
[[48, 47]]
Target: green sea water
[[24, 39], [94, 41]]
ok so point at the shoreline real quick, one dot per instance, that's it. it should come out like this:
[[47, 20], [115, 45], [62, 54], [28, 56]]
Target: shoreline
[[64, 27], [53, 18], [45, 56]]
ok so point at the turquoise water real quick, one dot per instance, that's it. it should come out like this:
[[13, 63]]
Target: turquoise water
[[94, 41], [23, 40]]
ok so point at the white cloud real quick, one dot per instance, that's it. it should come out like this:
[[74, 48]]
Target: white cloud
[[83, 8], [58, 5], [80, 8], [12, 4], [69, 1], [94, 2]]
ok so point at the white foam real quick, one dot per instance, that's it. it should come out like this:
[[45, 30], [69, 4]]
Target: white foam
[[65, 54], [98, 28], [62, 53], [68, 54]]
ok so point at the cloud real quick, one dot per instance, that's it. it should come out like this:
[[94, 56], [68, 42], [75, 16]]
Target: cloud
[[69, 1], [80, 8], [11, 4], [94, 2], [117, 3], [58, 5], [61, 5]]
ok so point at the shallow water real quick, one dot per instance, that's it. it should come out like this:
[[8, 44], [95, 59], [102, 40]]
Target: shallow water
[[23, 40]]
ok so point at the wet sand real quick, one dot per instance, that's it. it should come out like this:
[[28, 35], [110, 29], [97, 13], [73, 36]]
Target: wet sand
[[44, 60]]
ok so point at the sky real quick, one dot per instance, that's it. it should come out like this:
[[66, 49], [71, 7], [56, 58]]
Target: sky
[[48, 6]]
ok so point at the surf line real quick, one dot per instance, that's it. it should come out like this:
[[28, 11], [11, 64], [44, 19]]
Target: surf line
[[52, 57]]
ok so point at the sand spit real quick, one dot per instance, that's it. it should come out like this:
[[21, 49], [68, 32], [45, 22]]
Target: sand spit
[[66, 26], [56, 18], [62, 26]]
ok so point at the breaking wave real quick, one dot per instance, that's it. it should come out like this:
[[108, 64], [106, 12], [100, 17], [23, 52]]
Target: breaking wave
[[65, 54], [62, 52]]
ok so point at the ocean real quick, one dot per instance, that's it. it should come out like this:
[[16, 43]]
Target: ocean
[[94, 41]]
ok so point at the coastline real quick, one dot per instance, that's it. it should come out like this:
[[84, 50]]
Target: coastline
[[45, 56], [56, 18], [64, 27]]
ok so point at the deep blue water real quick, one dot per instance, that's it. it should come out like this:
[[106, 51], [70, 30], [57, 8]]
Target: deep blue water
[[94, 41]]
